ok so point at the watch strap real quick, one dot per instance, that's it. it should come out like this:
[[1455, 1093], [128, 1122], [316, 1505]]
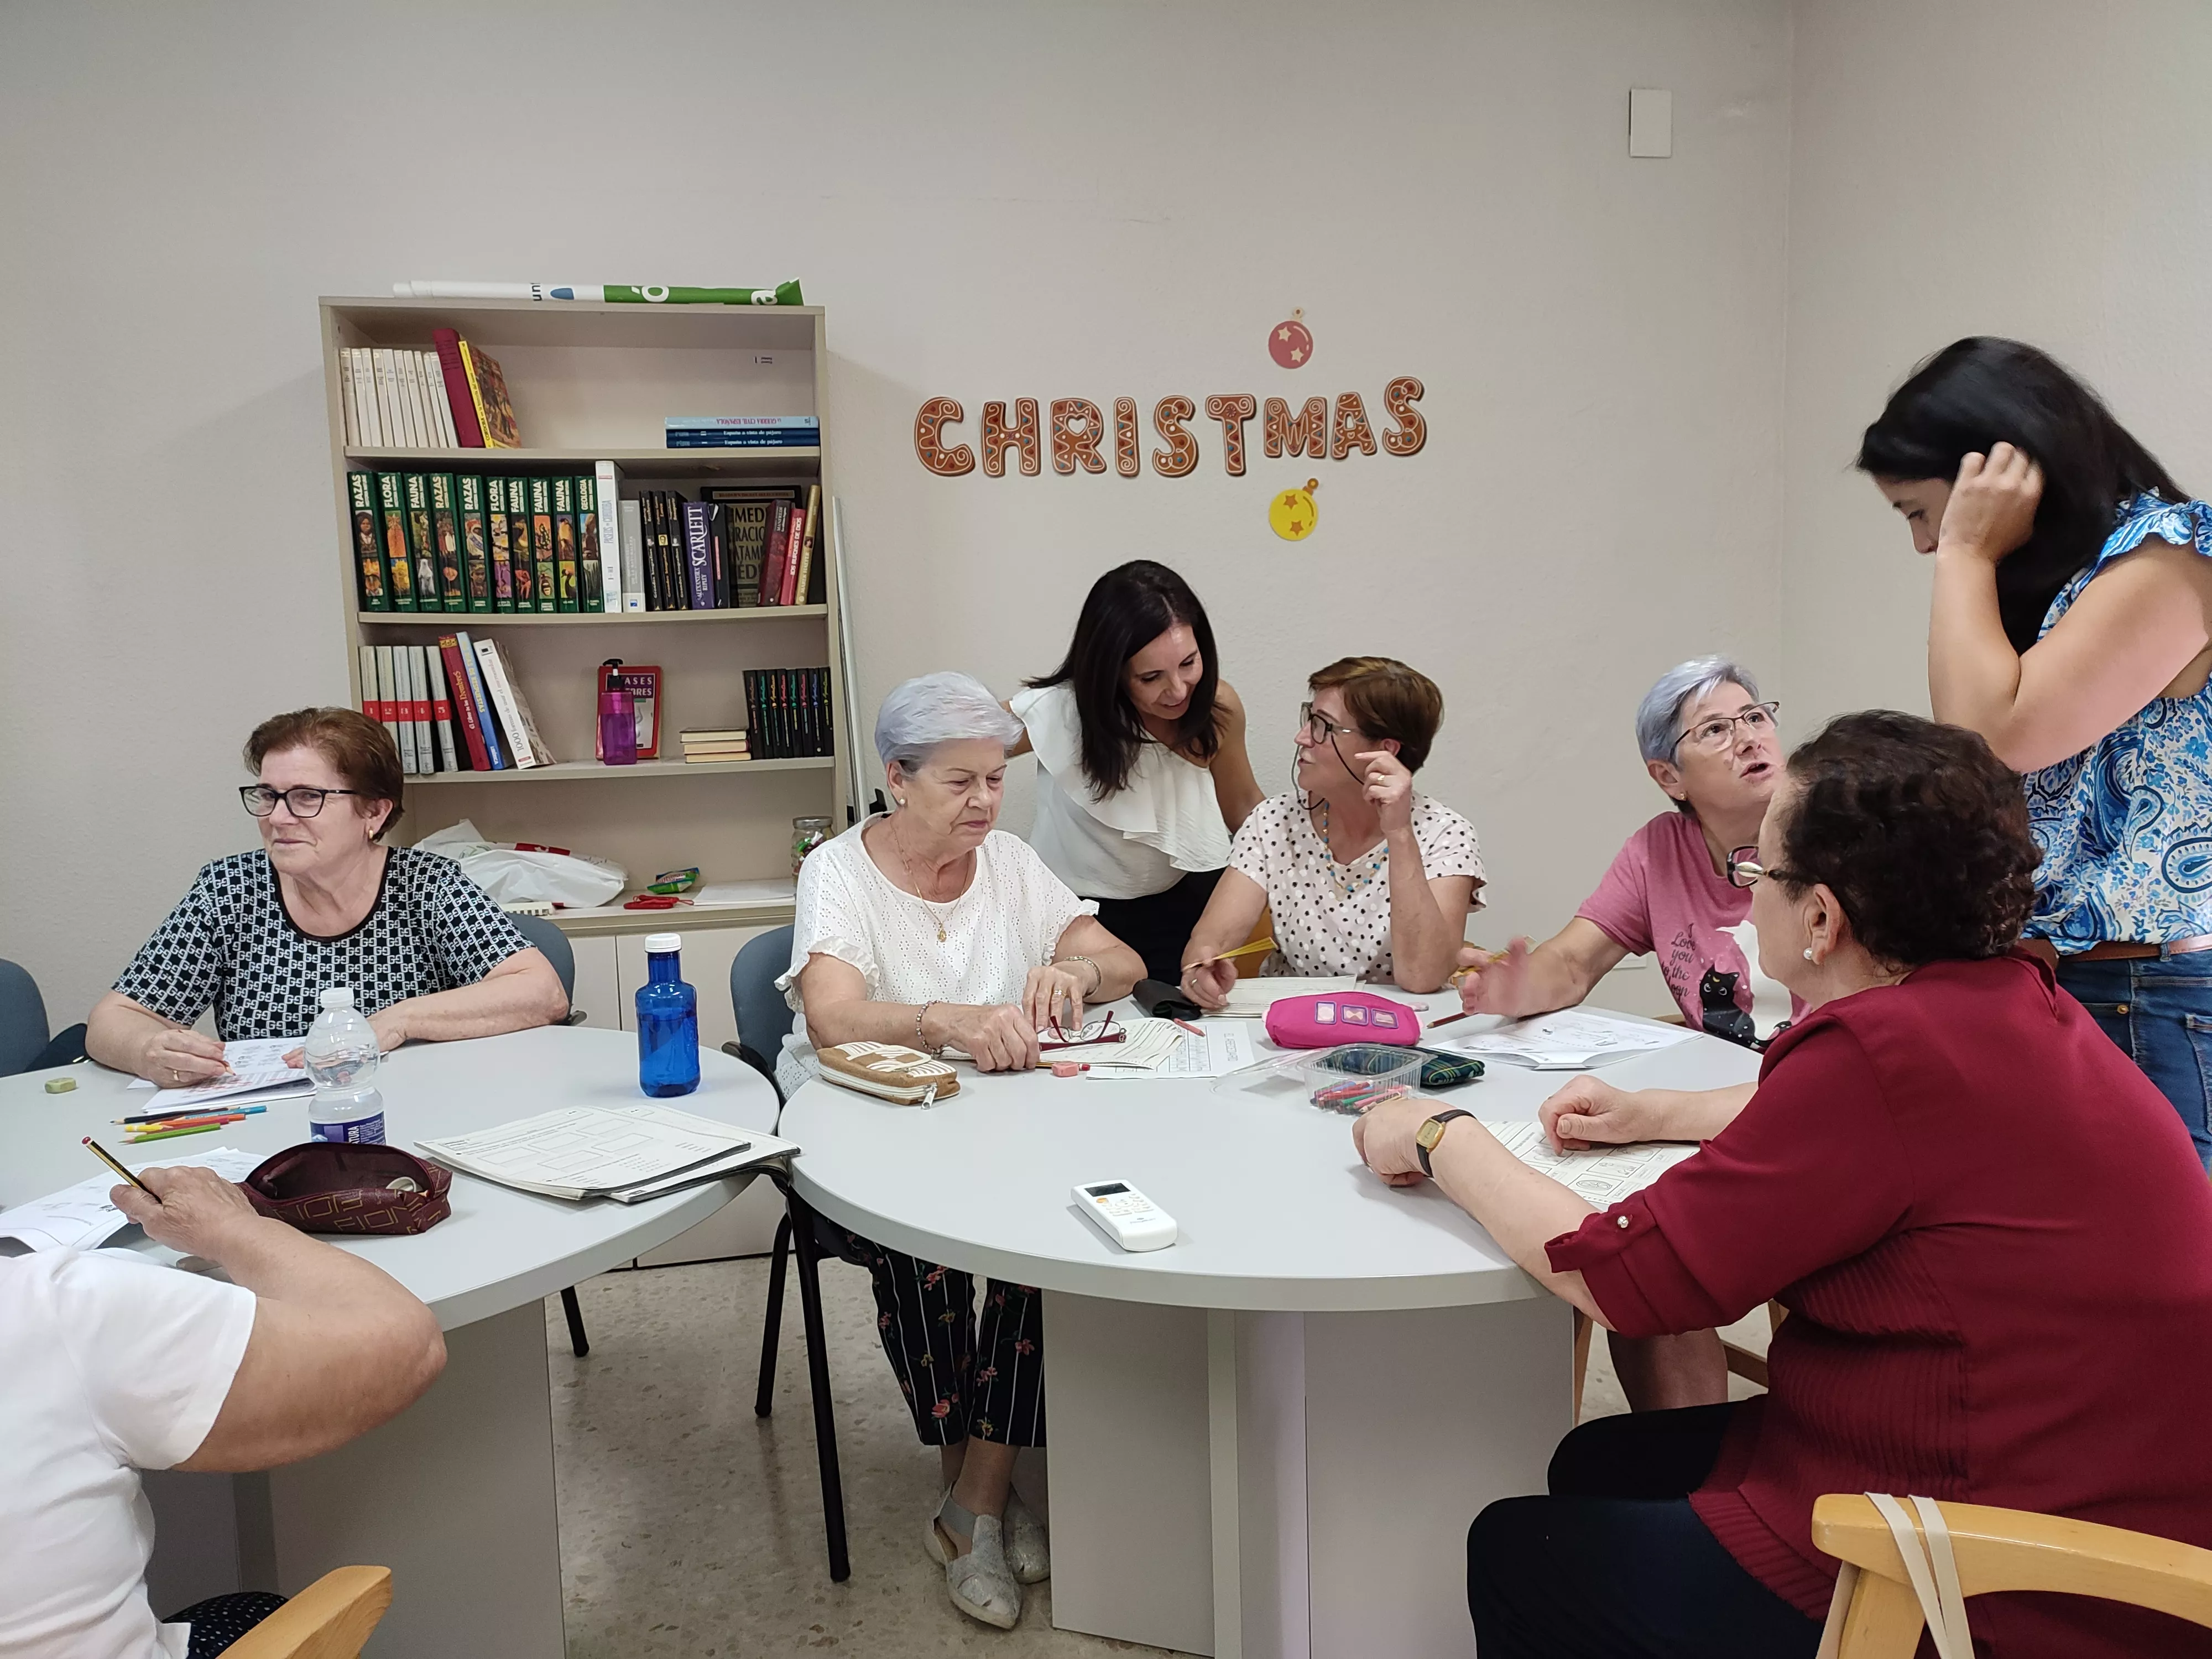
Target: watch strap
[[1439, 1120]]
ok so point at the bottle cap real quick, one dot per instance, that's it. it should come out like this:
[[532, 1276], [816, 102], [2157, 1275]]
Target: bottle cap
[[338, 996], [655, 944]]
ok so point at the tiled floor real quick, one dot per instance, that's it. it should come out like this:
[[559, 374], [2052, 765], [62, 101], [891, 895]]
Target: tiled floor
[[690, 1526]]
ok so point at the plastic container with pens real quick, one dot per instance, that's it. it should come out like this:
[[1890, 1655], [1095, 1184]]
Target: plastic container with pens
[[1355, 1076]]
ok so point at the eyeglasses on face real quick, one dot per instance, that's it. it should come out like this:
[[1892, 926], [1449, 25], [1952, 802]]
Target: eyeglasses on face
[[1319, 727], [1744, 869], [1713, 735], [302, 802]]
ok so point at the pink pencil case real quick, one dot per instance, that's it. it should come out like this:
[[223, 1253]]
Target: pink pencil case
[[1328, 1017]]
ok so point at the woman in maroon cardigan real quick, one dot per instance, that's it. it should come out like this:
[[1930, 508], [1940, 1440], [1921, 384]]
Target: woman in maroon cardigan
[[1992, 1234]]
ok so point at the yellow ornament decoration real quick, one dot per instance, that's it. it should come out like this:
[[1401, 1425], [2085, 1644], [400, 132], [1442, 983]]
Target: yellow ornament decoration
[[1292, 513]]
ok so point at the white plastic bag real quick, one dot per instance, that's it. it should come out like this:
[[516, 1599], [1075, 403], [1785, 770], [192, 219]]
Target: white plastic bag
[[509, 872]]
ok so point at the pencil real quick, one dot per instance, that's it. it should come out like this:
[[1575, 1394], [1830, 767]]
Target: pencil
[[101, 1153], [1257, 947], [204, 1120], [163, 1117], [1186, 1025], [171, 1134]]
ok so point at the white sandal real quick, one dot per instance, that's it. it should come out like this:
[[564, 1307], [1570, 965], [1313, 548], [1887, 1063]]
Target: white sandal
[[1028, 1547], [980, 1583]]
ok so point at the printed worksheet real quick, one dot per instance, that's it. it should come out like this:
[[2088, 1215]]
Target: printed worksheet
[[80, 1217], [1603, 1175], [576, 1151], [256, 1063], [1218, 1047], [1570, 1039]]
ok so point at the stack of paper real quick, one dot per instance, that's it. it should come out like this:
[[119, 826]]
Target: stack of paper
[[80, 1217], [257, 1067], [628, 1153], [1603, 1175], [1570, 1040], [1250, 998], [1218, 1047]]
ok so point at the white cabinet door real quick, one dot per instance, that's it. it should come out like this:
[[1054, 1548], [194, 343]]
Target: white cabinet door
[[596, 990]]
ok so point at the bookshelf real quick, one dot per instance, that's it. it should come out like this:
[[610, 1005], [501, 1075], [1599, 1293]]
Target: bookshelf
[[592, 383]]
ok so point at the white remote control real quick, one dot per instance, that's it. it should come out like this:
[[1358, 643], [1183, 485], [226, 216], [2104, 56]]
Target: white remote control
[[1126, 1215]]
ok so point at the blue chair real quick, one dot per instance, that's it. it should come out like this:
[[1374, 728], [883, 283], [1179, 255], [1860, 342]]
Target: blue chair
[[22, 1019], [764, 1019]]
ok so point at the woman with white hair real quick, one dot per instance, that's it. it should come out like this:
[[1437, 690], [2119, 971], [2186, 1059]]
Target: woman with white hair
[[928, 927]]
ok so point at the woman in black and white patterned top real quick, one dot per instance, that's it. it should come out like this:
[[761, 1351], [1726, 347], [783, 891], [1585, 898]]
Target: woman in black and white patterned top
[[1362, 876], [260, 936]]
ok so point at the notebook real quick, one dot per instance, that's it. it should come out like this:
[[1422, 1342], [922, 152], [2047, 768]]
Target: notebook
[[628, 1153]]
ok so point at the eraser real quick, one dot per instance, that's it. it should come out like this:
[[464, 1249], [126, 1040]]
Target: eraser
[[1065, 1068], [60, 1085]]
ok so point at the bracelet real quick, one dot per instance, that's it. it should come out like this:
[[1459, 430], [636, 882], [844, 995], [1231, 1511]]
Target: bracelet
[[917, 1042], [1097, 974]]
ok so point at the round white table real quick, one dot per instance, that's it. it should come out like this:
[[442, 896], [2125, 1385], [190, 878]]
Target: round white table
[[1268, 1438], [456, 1495]]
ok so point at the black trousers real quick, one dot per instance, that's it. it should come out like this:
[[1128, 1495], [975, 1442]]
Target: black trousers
[[1158, 927], [1615, 1564], [960, 1376]]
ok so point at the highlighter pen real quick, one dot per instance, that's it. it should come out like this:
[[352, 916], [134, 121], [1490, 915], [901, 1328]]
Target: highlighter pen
[[169, 1134]]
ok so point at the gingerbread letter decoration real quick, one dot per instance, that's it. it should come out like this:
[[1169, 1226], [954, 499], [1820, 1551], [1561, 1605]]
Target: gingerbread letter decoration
[[1232, 412], [1077, 427], [1399, 397], [999, 437], [1350, 431], [929, 439], [1308, 434], [1182, 453], [1125, 437]]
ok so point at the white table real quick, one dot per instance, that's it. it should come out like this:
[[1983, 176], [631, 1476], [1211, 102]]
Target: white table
[[455, 1495], [1270, 1438]]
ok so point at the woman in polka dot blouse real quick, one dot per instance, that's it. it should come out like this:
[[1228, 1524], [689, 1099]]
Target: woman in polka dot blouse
[[1363, 876]]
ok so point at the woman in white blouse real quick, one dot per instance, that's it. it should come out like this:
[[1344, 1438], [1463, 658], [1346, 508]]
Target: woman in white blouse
[[929, 927], [1363, 875], [1142, 746]]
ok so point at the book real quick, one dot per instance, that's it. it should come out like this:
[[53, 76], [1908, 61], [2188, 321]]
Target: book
[[747, 515], [372, 700], [632, 564], [718, 551], [698, 567], [348, 416], [488, 393], [742, 423], [422, 428], [502, 566], [519, 548], [542, 543], [445, 527], [476, 543], [421, 544], [418, 705], [464, 707], [567, 576], [391, 523], [434, 381], [466, 430], [528, 747], [656, 588], [803, 587], [381, 374], [367, 549], [496, 749], [402, 731], [607, 528], [773, 552], [800, 530], [441, 711]]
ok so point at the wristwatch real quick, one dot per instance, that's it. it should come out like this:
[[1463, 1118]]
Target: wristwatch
[[1432, 1131]]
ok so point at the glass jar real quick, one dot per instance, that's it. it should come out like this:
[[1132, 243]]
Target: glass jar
[[806, 835]]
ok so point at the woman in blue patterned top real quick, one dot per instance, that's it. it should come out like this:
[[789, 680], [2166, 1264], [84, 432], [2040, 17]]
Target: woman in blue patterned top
[[261, 935], [2071, 626]]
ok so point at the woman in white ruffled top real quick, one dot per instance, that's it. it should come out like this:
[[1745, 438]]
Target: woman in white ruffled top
[[1141, 743]]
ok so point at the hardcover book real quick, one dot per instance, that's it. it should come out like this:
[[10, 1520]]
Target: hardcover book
[[597, 538], [718, 551], [566, 574], [476, 543], [465, 704], [421, 544], [782, 517], [368, 550], [632, 564], [519, 550], [698, 556], [502, 565], [803, 587], [496, 750], [392, 521], [465, 429], [747, 515], [541, 543], [446, 526], [488, 395]]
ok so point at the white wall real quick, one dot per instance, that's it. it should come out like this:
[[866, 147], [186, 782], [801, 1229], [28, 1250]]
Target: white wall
[[991, 201], [2036, 168]]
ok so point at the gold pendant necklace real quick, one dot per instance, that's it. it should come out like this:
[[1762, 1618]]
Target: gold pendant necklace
[[899, 846]]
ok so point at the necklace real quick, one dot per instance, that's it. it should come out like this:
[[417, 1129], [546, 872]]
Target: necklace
[[899, 846], [1373, 859]]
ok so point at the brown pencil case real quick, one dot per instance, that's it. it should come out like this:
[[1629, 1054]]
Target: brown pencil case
[[350, 1187]]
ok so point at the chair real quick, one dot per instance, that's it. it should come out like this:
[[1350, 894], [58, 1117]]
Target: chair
[[1995, 1550], [22, 1019], [332, 1619], [553, 944], [764, 1019]]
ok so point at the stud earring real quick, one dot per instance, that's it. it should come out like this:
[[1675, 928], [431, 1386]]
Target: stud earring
[[1809, 953]]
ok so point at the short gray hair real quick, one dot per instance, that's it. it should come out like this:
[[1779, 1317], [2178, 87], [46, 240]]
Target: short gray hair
[[935, 709], [1658, 715]]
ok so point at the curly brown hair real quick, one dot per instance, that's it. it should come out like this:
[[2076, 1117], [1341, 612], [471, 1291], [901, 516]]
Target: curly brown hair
[[1919, 830]]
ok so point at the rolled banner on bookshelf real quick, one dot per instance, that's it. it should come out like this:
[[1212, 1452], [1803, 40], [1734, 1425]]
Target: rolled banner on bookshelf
[[635, 294]]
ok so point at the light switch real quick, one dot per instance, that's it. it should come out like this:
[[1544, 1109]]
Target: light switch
[[1651, 121]]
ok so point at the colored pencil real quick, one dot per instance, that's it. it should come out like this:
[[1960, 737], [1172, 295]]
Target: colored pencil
[[170, 1134], [163, 1117], [204, 1121]]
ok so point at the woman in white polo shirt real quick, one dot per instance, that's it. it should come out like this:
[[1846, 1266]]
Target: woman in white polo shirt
[[1142, 746]]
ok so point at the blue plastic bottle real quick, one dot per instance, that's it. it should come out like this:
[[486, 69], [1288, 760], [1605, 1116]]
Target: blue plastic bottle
[[668, 1021]]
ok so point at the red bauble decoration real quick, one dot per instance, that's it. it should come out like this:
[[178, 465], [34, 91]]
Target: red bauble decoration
[[1291, 343]]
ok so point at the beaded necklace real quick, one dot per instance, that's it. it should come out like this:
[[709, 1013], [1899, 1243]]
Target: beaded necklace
[[1374, 859]]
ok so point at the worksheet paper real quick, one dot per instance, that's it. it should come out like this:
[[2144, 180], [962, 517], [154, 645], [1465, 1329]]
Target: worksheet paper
[[1250, 998], [1218, 1047], [80, 1217], [1570, 1040], [1603, 1175], [256, 1063], [577, 1151]]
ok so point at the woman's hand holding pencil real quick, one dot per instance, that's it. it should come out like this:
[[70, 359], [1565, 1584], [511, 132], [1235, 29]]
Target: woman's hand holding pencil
[[1490, 981]]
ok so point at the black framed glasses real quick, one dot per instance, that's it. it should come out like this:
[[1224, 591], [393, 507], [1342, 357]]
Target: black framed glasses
[[1713, 735], [1744, 869], [302, 801], [1318, 726]]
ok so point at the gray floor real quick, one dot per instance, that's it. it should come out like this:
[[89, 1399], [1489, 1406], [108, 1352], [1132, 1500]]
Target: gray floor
[[690, 1526]]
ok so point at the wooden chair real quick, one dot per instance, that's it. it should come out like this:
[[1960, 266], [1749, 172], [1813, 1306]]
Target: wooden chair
[[329, 1620], [1998, 1550]]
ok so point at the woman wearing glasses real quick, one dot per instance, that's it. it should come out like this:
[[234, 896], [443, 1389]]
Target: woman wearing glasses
[[260, 936], [1711, 744], [1363, 875]]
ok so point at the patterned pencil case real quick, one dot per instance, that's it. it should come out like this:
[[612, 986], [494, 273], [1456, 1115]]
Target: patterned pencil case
[[1440, 1070]]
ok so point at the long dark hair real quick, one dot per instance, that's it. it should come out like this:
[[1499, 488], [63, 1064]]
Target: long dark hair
[[1126, 608], [1982, 391]]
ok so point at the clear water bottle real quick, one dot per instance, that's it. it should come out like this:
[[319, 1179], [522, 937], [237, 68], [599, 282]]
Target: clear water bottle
[[668, 1021], [342, 1056]]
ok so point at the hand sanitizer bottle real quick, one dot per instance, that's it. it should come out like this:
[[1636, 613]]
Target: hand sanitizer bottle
[[342, 1056], [668, 1021]]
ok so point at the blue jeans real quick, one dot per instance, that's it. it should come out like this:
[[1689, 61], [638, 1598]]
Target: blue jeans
[[2158, 1011]]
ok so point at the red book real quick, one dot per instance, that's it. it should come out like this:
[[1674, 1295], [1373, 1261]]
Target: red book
[[457, 676], [774, 552], [787, 593], [448, 342]]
